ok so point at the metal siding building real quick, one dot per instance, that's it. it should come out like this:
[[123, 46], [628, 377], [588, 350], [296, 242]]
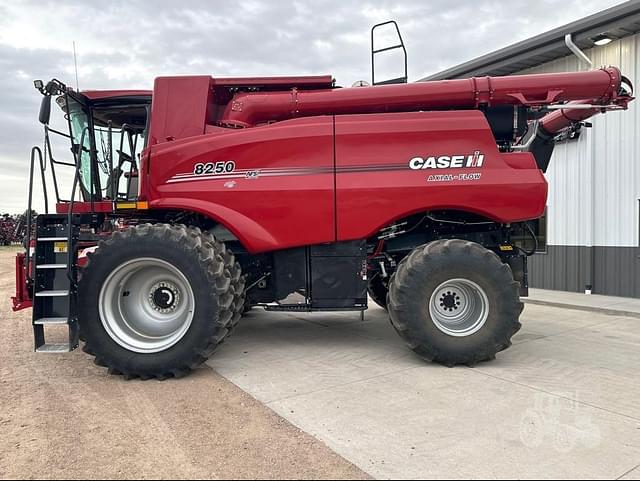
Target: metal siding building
[[593, 210], [594, 193]]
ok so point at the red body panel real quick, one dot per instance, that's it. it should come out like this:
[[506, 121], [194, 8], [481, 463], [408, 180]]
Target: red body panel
[[511, 187], [268, 209], [281, 193], [85, 207], [192, 108]]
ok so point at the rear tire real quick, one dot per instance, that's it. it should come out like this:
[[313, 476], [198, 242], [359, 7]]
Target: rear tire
[[454, 302], [191, 287]]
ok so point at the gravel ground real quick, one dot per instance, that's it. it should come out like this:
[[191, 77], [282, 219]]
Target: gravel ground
[[64, 418]]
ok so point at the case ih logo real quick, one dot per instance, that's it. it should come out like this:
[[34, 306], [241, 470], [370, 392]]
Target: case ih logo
[[448, 161]]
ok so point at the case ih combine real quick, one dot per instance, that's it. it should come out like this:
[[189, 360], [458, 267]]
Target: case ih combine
[[208, 196]]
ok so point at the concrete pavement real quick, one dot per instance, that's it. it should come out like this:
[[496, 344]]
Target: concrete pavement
[[563, 402], [619, 306], [62, 417]]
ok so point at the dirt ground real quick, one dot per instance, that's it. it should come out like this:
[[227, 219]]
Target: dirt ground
[[61, 417]]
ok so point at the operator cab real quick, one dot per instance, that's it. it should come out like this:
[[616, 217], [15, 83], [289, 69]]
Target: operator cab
[[108, 131], [115, 131]]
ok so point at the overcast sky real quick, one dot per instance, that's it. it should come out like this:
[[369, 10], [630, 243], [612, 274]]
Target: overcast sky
[[128, 43]]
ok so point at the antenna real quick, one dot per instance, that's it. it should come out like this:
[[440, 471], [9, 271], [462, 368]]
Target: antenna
[[75, 61]]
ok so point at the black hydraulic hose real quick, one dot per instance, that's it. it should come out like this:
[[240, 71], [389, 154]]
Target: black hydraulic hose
[[535, 240]]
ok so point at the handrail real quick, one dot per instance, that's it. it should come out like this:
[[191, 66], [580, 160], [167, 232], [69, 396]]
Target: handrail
[[34, 151], [374, 52], [110, 151], [47, 150], [94, 190]]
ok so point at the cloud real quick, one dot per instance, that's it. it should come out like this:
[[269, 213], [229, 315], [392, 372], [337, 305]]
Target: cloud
[[125, 44]]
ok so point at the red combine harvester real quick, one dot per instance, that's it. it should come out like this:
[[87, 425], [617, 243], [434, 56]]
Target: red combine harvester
[[206, 197]]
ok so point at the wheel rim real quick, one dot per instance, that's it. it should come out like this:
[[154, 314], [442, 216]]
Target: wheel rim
[[146, 305], [459, 307]]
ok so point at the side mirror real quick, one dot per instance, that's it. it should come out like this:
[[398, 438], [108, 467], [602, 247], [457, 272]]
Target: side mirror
[[45, 110]]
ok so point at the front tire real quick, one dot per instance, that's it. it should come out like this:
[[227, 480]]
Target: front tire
[[454, 302], [165, 297]]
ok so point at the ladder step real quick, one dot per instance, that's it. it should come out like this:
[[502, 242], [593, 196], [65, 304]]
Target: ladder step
[[52, 266], [52, 239], [54, 348], [52, 294], [47, 321]]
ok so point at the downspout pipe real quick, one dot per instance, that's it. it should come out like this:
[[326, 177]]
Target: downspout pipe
[[568, 40], [555, 122]]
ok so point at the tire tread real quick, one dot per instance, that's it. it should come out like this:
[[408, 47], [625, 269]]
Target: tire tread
[[409, 324], [224, 277]]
